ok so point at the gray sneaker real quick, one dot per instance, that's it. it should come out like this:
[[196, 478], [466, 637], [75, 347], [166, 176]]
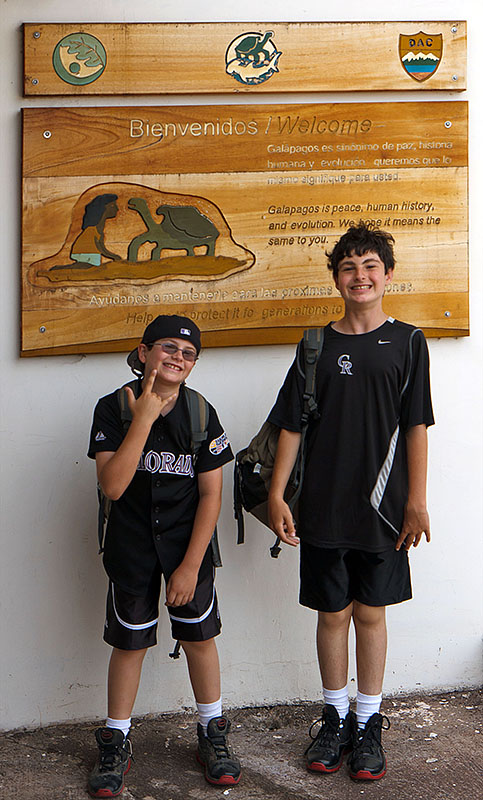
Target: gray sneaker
[[221, 765], [107, 777], [331, 743]]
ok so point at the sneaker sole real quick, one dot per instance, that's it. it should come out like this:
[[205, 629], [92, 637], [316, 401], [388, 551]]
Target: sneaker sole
[[317, 766], [107, 792], [224, 780], [365, 775]]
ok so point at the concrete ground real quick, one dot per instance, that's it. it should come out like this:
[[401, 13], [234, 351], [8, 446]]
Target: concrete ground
[[434, 749]]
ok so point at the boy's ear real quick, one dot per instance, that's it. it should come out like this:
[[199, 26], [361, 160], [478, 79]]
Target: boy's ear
[[389, 275], [142, 351]]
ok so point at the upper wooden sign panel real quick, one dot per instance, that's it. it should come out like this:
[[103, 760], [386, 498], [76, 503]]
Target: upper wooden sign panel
[[221, 58]]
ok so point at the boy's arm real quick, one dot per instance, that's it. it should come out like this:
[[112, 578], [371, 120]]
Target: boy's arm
[[416, 518], [182, 583], [115, 470], [279, 514]]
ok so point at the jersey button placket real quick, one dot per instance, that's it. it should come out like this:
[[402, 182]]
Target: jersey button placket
[[159, 436]]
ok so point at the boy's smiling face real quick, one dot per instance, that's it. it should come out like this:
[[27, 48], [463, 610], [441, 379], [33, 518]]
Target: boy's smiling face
[[362, 280], [172, 368]]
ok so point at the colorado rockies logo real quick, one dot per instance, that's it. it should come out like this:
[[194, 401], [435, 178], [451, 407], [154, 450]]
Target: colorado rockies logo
[[345, 364]]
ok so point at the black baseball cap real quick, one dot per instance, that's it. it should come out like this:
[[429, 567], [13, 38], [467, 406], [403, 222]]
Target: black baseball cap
[[166, 326]]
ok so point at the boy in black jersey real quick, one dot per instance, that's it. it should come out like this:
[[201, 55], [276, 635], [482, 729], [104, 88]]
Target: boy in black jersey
[[164, 511], [363, 500]]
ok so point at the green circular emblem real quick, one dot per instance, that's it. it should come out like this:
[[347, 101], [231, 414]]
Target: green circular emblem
[[79, 58]]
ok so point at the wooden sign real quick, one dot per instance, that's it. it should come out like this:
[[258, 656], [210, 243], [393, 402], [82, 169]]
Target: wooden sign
[[225, 213], [175, 58]]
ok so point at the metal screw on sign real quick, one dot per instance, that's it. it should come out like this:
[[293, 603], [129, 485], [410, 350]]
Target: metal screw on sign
[[448, 124], [454, 77], [36, 34], [454, 29], [447, 313], [47, 134], [42, 329], [34, 81]]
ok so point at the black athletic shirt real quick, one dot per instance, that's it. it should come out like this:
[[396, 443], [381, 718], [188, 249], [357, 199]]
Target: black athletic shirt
[[153, 519], [370, 388]]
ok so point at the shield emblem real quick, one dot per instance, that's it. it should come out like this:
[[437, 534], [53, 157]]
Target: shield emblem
[[421, 54]]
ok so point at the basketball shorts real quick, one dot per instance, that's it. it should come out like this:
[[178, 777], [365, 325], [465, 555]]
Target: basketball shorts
[[331, 578], [132, 621]]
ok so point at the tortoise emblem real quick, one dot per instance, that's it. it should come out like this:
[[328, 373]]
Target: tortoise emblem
[[252, 57], [179, 228]]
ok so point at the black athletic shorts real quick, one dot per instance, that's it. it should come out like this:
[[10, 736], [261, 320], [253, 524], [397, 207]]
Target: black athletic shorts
[[331, 578], [132, 621]]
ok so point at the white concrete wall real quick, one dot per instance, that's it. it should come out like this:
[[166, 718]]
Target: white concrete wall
[[52, 585]]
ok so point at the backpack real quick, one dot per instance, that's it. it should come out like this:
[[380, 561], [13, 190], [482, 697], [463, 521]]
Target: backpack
[[254, 464], [198, 414]]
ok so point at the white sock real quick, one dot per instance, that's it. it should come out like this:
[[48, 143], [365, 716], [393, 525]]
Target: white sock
[[339, 698], [207, 711], [121, 724], [366, 706]]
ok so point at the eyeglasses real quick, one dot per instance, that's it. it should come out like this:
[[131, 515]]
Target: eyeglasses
[[170, 349]]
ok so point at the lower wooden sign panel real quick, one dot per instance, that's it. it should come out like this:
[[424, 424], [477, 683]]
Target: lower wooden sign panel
[[241, 253]]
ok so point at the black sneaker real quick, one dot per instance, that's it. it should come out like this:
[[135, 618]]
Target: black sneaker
[[368, 762], [331, 743], [221, 766], [107, 777]]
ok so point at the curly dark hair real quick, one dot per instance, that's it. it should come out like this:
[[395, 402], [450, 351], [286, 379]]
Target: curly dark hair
[[94, 210], [360, 239]]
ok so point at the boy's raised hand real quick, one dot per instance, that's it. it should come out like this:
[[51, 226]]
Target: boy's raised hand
[[149, 405]]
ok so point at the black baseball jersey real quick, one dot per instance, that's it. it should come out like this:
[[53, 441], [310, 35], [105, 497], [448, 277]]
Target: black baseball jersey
[[370, 388], [152, 521]]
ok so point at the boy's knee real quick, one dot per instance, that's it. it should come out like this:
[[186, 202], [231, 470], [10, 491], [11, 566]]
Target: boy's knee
[[335, 619], [198, 647], [129, 655], [368, 615]]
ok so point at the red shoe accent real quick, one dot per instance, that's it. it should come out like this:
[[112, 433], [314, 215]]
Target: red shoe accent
[[365, 775], [224, 780], [318, 767], [107, 792]]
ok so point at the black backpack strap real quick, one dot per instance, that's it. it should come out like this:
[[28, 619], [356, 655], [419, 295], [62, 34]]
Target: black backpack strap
[[177, 648], [103, 510], [199, 414], [237, 499], [126, 416], [313, 344]]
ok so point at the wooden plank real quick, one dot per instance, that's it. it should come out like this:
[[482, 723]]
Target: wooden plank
[[258, 57], [258, 262], [250, 138]]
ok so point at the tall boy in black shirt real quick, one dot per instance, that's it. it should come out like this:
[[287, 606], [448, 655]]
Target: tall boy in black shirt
[[164, 511], [363, 500]]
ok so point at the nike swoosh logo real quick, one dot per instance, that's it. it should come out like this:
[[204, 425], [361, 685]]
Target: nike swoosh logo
[[383, 341]]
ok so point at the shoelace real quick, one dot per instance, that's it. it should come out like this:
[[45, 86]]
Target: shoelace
[[368, 739], [327, 733], [220, 746], [109, 758]]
